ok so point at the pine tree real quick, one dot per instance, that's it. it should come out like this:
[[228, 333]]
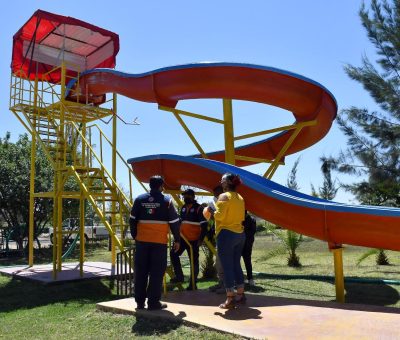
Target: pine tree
[[328, 190], [374, 136]]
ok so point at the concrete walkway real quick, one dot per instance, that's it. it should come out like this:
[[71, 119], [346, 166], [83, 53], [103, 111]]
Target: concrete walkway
[[70, 272], [273, 318]]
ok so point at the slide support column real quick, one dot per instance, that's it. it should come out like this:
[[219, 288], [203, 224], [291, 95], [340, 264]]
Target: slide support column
[[228, 132], [339, 277]]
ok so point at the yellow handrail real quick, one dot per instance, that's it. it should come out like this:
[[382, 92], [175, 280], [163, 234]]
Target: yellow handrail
[[119, 155], [84, 140]]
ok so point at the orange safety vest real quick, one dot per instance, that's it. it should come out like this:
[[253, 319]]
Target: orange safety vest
[[152, 231], [191, 230]]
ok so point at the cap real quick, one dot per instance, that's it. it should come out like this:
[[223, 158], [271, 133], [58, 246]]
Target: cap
[[189, 192]]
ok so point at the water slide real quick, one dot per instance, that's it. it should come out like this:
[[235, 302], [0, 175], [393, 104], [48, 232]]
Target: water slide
[[336, 223]]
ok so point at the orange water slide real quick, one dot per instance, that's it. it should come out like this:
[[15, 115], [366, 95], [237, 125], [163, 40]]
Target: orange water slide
[[305, 98], [336, 223]]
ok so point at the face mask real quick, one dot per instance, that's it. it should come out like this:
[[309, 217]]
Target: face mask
[[188, 200]]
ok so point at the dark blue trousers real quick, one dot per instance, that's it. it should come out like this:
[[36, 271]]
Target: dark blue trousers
[[150, 266], [176, 263]]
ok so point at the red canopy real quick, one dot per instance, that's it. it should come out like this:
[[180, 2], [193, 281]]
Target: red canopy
[[46, 39]]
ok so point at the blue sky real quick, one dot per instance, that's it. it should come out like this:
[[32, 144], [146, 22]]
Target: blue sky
[[309, 37]]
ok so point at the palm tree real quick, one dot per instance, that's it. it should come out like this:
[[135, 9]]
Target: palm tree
[[290, 242], [380, 257]]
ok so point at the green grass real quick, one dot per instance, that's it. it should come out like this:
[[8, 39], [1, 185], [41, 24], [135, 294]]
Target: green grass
[[318, 261], [29, 310]]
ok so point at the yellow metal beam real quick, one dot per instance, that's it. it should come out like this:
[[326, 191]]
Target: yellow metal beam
[[189, 133], [114, 175], [228, 132], [282, 128], [339, 277], [32, 181], [21, 121], [197, 193], [271, 170], [44, 194], [190, 114], [81, 234], [255, 160]]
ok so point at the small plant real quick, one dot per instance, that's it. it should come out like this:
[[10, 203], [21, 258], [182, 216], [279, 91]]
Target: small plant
[[381, 258], [290, 243]]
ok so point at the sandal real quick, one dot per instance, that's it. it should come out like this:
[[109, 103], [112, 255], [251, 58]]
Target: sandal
[[229, 303], [241, 299]]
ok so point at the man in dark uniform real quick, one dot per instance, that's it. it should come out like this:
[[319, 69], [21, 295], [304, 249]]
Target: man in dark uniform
[[150, 216], [194, 229]]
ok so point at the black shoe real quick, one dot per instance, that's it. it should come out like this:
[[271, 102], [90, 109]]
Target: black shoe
[[159, 306], [175, 280], [140, 306]]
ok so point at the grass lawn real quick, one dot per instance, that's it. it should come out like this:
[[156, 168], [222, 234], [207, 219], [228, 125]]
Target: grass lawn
[[29, 310]]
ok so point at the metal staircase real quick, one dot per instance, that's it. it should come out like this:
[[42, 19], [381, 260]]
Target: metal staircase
[[60, 128]]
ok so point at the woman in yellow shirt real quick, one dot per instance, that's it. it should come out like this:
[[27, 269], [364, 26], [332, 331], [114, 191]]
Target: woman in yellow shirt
[[229, 215]]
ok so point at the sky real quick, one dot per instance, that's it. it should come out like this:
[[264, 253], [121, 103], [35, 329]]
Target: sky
[[312, 38]]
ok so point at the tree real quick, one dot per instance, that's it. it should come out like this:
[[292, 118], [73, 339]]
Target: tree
[[328, 190], [374, 136], [14, 188], [290, 240]]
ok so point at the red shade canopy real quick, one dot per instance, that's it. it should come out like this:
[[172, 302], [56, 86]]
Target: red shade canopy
[[46, 39]]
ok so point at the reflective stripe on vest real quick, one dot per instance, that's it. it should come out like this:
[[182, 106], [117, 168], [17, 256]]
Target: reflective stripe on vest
[[152, 231], [191, 230]]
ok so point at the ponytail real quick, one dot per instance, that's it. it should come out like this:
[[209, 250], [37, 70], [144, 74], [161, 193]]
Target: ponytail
[[232, 180]]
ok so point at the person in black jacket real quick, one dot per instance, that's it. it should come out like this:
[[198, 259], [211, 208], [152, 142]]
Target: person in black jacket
[[194, 229], [249, 225], [152, 215]]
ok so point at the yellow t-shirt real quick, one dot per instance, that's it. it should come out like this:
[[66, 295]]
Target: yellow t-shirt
[[230, 214]]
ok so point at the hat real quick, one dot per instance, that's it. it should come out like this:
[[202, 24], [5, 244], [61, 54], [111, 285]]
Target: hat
[[189, 192]]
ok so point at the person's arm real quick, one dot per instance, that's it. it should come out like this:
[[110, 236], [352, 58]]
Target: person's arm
[[173, 221], [203, 224], [134, 218], [221, 208]]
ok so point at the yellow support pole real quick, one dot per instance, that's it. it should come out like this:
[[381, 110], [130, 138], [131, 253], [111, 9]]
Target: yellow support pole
[[190, 134], [62, 114], [32, 179], [81, 234], [55, 235], [60, 163], [271, 170], [190, 114], [269, 131], [114, 175], [84, 146], [339, 277], [228, 132], [59, 226]]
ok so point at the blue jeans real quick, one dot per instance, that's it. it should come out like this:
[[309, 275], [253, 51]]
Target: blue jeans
[[230, 247]]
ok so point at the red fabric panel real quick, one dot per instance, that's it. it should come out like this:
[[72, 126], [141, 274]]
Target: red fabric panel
[[48, 22]]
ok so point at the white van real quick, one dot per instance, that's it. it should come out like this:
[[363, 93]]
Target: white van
[[92, 231]]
